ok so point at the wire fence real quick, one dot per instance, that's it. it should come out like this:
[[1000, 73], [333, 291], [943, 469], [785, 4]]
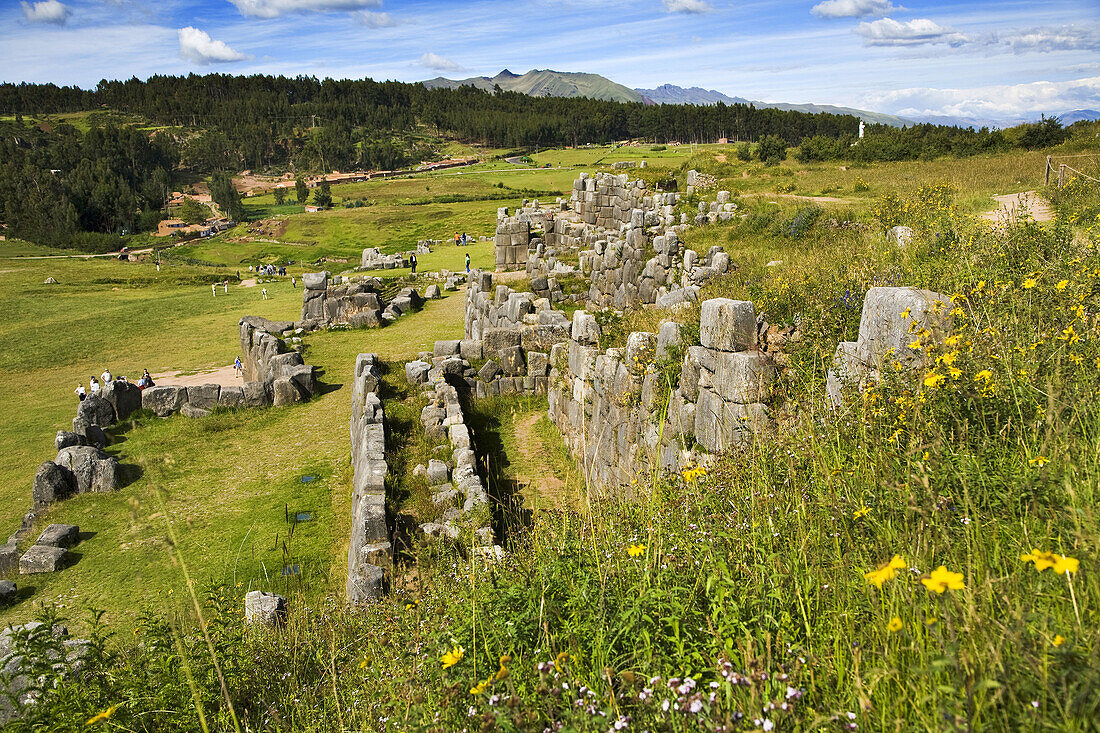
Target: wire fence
[[1063, 169]]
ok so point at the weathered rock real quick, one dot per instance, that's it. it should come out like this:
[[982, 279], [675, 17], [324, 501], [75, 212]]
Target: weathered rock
[[893, 317], [264, 609], [42, 559], [65, 439], [90, 468], [416, 372], [9, 556], [125, 398], [437, 472], [285, 392], [315, 280], [585, 329], [495, 339], [368, 318], [446, 348], [668, 339], [489, 371], [256, 394], [191, 411], [7, 591], [743, 377], [163, 400], [512, 362], [432, 293], [727, 325], [52, 483], [232, 396], [95, 410], [470, 349], [900, 235], [203, 396], [538, 364], [641, 350], [59, 535], [846, 370]]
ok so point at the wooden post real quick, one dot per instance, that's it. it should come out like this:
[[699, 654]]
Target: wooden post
[[1061, 175], [1046, 173]]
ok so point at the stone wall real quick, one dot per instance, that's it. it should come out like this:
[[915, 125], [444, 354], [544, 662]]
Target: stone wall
[[619, 415], [459, 492], [357, 302], [370, 551], [512, 242]]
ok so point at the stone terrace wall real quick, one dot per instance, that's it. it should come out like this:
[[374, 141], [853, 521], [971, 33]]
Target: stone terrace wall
[[357, 303], [611, 409], [462, 493], [370, 553], [512, 241]]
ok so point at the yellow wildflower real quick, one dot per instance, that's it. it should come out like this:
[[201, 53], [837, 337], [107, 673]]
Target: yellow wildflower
[[1030, 283], [907, 313], [1039, 461], [1058, 640], [933, 379], [984, 375], [503, 671], [861, 512], [1063, 564], [915, 344], [895, 624], [453, 657], [635, 550], [886, 571], [479, 688], [951, 340], [942, 579], [101, 716], [1062, 284]]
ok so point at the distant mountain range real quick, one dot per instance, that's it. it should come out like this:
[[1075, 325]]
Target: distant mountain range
[[548, 83]]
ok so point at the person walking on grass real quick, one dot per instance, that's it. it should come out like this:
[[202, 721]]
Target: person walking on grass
[[225, 285], [293, 282], [214, 289], [238, 368], [265, 293], [412, 264], [467, 263], [80, 393]]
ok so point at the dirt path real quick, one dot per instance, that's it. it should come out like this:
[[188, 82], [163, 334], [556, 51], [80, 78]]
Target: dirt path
[[550, 490], [223, 376], [813, 199], [1009, 203]]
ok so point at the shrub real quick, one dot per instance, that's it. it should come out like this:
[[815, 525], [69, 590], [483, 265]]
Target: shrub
[[771, 150]]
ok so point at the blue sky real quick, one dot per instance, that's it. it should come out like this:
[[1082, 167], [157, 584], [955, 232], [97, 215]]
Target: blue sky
[[953, 57]]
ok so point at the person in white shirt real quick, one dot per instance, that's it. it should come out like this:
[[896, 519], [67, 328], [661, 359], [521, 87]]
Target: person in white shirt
[[80, 393], [106, 377], [94, 385]]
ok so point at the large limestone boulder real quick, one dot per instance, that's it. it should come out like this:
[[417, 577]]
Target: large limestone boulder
[[894, 317], [284, 391], [193, 412], [256, 394], [59, 535], [743, 377], [88, 468], [232, 396], [95, 410], [315, 280], [512, 362], [7, 591], [727, 325], [163, 400], [416, 372], [52, 483], [264, 609], [42, 559], [65, 438], [203, 396], [125, 398]]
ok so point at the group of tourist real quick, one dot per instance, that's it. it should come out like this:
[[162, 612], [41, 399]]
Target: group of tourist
[[95, 385], [461, 241], [268, 270]]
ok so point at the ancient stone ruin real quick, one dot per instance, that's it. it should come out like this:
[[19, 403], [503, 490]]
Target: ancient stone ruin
[[891, 320], [356, 302], [370, 551]]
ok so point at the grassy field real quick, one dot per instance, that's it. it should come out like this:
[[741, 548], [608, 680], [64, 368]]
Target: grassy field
[[879, 566], [226, 483]]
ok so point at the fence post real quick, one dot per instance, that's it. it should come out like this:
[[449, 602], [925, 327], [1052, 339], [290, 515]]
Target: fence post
[[1061, 174], [1046, 173]]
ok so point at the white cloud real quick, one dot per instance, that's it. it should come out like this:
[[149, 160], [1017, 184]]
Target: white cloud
[[917, 32], [197, 46], [375, 20], [1045, 40], [432, 61], [853, 8], [276, 8], [1004, 102], [687, 6], [47, 11]]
